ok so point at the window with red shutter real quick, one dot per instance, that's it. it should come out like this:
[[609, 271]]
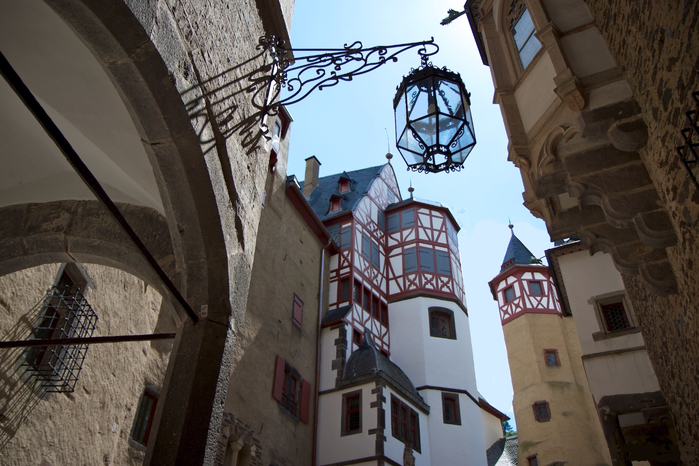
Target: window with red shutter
[[305, 401], [291, 391], [297, 314]]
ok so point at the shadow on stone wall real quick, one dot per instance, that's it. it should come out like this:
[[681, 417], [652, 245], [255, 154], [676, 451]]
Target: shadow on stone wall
[[18, 395]]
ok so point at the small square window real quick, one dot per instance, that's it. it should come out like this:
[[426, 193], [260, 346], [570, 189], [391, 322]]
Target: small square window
[[509, 294], [542, 413], [357, 337], [551, 357], [533, 460], [535, 288], [615, 317], [442, 323], [450, 408]]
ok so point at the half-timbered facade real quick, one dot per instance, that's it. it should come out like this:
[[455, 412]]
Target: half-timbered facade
[[397, 382]]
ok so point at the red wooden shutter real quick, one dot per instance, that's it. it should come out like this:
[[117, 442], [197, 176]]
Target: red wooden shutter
[[298, 310], [278, 379], [305, 400]]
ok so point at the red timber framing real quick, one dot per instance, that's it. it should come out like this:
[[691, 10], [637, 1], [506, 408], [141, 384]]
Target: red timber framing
[[361, 270], [518, 278], [437, 268]]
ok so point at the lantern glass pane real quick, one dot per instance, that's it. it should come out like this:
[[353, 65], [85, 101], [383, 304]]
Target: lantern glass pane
[[449, 99], [410, 147], [418, 98], [426, 128], [448, 127], [400, 116]]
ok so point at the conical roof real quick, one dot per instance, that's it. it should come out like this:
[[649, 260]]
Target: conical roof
[[517, 253]]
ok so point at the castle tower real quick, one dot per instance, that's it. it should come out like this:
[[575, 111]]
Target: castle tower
[[556, 419]]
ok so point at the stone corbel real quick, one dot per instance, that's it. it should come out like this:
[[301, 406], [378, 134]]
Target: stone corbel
[[629, 134], [569, 89], [549, 152]]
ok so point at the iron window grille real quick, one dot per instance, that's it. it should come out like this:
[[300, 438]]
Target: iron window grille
[[65, 313], [615, 317], [688, 154]]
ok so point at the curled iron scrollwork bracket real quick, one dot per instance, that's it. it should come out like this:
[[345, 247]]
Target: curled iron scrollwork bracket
[[301, 71]]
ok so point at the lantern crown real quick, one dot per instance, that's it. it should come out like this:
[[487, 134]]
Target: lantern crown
[[434, 128]]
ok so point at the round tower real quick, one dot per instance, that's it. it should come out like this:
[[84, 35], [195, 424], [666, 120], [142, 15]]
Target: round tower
[[556, 419]]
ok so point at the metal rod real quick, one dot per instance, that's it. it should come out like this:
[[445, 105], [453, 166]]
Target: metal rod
[[86, 341], [74, 159]]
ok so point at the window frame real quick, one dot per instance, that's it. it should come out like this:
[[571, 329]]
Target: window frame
[[343, 185], [346, 397], [410, 251], [342, 296], [427, 259], [504, 294], [607, 299], [512, 19], [551, 352], [335, 203], [453, 398], [153, 395], [446, 257], [346, 237], [447, 314], [542, 404], [284, 374], [405, 423], [533, 460], [541, 287]]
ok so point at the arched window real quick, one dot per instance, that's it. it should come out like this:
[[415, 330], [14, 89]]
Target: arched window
[[442, 323]]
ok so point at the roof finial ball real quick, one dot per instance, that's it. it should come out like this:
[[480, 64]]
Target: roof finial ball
[[389, 156], [410, 190]]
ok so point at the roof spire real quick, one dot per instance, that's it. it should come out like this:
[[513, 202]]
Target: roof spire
[[411, 189], [389, 156], [517, 253]]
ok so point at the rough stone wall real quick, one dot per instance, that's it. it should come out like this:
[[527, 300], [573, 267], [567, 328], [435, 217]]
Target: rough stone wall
[[657, 46], [92, 425], [287, 262]]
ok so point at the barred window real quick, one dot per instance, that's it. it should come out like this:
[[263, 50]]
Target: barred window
[[442, 323], [615, 317], [542, 413], [451, 412]]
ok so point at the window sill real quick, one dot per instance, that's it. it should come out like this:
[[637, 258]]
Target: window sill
[[600, 336], [136, 445]]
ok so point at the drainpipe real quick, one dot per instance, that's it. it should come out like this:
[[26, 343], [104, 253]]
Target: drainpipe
[[320, 316]]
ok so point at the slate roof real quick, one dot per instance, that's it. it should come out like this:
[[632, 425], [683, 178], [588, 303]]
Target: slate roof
[[503, 452], [367, 362], [335, 314], [360, 180], [517, 253]]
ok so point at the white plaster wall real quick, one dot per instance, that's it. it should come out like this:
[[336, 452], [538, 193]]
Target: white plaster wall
[[332, 447], [430, 360], [587, 276], [587, 53], [568, 14], [492, 428], [455, 444], [621, 373], [79, 96], [327, 355], [536, 93]]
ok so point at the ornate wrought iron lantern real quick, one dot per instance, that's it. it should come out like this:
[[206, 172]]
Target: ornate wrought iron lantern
[[434, 129]]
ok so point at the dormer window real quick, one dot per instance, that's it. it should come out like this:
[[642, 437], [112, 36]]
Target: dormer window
[[335, 203], [343, 185]]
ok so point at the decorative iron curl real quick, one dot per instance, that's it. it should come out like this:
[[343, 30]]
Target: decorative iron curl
[[323, 68]]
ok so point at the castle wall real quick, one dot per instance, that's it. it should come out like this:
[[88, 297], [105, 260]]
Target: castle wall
[[657, 45], [91, 425]]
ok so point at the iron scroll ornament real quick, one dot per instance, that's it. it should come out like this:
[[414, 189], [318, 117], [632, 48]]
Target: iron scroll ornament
[[301, 75]]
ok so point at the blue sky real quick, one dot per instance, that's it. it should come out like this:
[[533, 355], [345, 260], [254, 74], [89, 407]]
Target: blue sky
[[345, 128]]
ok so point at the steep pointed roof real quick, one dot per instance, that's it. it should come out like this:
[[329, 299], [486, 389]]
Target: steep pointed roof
[[328, 186], [517, 253]]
